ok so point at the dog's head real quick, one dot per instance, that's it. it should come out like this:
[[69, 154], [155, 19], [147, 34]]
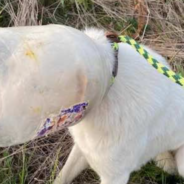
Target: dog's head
[[46, 74]]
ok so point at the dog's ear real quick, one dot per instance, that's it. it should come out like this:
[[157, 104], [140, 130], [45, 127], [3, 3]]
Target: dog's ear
[[113, 37]]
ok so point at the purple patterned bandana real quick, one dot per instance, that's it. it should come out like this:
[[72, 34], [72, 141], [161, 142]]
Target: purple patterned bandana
[[65, 118]]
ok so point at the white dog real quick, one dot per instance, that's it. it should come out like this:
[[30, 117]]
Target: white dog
[[48, 68], [140, 117]]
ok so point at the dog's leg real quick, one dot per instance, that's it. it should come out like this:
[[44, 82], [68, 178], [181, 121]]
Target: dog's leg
[[75, 164], [180, 160], [120, 179], [166, 161]]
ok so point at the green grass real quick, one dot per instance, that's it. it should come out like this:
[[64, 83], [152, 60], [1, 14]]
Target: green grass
[[7, 173], [152, 174], [15, 168]]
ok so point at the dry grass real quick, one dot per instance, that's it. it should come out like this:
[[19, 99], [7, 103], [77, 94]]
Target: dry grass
[[26, 12], [39, 161]]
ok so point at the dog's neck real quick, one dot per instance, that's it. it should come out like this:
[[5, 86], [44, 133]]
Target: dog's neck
[[108, 56], [102, 39]]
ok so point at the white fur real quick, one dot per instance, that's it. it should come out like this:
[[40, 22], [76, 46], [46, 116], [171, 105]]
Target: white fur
[[140, 117]]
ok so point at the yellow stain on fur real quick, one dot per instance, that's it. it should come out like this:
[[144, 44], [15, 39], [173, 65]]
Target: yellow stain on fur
[[37, 110], [31, 55]]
